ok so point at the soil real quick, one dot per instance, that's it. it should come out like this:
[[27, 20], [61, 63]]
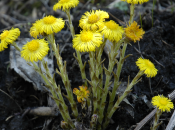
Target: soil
[[157, 45]]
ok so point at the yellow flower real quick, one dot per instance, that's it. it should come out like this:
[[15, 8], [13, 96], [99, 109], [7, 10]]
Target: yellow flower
[[133, 32], [135, 1], [146, 66], [112, 31], [8, 37], [65, 4], [93, 20], [35, 50], [162, 103], [47, 25], [34, 30], [87, 41], [82, 94]]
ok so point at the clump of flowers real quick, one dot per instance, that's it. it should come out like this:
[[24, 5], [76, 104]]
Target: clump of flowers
[[87, 41], [112, 31], [47, 25], [82, 94], [135, 1], [8, 37], [93, 20], [162, 103], [133, 32], [35, 50], [65, 4], [147, 66]]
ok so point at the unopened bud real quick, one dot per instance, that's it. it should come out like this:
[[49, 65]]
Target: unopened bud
[[64, 125]]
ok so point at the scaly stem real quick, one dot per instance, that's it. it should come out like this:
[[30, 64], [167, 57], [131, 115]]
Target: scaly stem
[[156, 119], [64, 75], [120, 99], [52, 86], [16, 46], [116, 81], [82, 67], [132, 6], [93, 79], [112, 61]]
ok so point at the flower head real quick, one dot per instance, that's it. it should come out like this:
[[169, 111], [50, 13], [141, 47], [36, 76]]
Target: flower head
[[162, 103], [82, 94], [8, 37], [34, 30], [65, 4], [93, 20], [135, 1], [47, 25], [35, 50], [112, 31], [146, 66], [87, 41], [133, 32]]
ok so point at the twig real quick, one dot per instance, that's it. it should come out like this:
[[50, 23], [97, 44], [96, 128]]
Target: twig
[[171, 124], [168, 44]]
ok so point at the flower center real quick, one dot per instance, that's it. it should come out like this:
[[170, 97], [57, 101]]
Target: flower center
[[93, 18], [63, 1], [111, 25], [33, 45], [163, 102], [86, 36], [4, 34], [49, 20]]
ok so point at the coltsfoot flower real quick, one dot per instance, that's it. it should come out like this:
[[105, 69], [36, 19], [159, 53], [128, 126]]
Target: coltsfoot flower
[[162, 103], [34, 30], [47, 25], [147, 66], [8, 37], [93, 20], [87, 41], [112, 31], [133, 32], [65, 4], [82, 94], [35, 50], [135, 1]]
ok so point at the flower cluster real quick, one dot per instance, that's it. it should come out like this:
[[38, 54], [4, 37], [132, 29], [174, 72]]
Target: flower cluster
[[82, 94], [162, 103], [94, 21], [8, 37]]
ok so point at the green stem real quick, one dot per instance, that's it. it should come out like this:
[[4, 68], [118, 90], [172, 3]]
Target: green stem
[[156, 119], [132, 6], [82, 67], [120, 99], [112, 62], [93, 79], [64, 75], [16, 46], [116, 81], [61, 105]]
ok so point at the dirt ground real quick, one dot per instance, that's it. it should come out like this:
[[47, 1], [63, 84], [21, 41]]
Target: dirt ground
[[157, 45]]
